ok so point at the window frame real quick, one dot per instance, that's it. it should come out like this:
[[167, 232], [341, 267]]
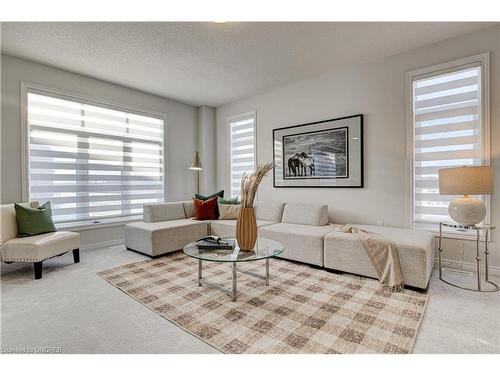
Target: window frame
[[483, 61], [66, 95], [228, 121]]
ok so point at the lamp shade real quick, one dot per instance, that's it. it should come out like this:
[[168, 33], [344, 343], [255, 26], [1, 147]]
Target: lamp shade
[[196, 163], [466, 181]]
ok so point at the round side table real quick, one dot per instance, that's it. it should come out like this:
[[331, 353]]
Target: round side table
[[486, 228]]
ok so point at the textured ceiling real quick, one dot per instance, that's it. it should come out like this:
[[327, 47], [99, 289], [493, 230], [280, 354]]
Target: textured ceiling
[[211, 63]]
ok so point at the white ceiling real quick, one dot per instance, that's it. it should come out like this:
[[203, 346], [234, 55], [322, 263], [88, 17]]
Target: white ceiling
[[211, 63]]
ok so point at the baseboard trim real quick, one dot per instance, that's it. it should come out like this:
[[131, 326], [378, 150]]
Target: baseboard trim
[[100, 245], [468, 266]]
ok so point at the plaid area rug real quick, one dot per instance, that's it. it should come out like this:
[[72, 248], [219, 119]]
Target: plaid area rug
[[304, 310]]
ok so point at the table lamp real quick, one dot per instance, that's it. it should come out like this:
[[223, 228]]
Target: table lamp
[[196, 166], [465, 181]]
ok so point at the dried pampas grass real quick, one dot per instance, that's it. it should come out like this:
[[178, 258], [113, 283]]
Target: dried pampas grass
[[250, 184]]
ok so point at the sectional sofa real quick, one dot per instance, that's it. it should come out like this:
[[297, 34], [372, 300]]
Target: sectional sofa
[[303, 228]]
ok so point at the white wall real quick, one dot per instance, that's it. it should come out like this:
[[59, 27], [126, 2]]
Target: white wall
[[377, 90], [206, 146], [181, 129]]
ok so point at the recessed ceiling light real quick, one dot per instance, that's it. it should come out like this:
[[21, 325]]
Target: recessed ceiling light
[[355, 138], [220, 21]]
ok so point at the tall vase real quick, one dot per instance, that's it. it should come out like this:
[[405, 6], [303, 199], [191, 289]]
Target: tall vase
[[246, 229]]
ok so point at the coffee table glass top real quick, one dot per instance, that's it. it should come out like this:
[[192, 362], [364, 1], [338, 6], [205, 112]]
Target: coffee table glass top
[[264, 248]]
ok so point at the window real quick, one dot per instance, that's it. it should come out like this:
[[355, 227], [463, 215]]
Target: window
[[449, 128], [242, 154], [91, 161]]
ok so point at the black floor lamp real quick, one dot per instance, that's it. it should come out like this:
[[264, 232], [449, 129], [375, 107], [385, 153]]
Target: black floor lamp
[[196, 166]]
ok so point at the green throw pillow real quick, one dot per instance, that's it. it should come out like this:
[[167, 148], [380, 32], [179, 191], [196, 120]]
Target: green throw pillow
[[33, 221], [204, 198], [228, 201]]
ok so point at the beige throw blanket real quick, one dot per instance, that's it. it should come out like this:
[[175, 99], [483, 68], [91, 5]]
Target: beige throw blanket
[[382, 253]]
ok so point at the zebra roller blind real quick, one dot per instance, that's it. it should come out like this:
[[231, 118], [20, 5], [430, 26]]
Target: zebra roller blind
[[91, 161], [447, 133], [242, 153]]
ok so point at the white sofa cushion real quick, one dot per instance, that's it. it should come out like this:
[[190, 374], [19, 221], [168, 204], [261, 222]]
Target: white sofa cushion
[[344, 252], [269, 211], [307, 214], [188, 208], [157, 212], [227, 228], [228, 211], [303, 243], [40, 247], [163, 237]]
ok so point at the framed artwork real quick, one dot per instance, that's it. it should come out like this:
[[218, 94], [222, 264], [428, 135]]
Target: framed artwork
[[325, 153]]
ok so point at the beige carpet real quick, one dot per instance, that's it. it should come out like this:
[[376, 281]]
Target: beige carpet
[[304, 310]]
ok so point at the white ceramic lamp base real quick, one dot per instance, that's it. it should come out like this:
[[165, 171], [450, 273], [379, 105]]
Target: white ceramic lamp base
[[467, 211]]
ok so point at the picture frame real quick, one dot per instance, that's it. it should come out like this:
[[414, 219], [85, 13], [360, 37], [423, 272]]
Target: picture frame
[[321, 154]]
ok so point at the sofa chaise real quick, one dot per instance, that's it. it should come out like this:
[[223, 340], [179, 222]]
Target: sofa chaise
[[303, 228], [343, 252], [166, 227]]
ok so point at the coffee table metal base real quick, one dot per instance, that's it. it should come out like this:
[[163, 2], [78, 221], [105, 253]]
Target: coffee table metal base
[[233, 292]]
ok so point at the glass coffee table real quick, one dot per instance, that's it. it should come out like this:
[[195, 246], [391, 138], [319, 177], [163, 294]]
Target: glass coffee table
[[264, 250]]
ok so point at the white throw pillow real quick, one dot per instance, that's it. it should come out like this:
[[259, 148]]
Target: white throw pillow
[[228, 211]]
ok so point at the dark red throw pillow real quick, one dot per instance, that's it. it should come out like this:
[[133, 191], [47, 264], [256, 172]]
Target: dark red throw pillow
[[205, 210]]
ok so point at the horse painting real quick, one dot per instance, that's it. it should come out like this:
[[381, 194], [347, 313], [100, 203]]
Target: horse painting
[[300, 163], [320, 154]]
